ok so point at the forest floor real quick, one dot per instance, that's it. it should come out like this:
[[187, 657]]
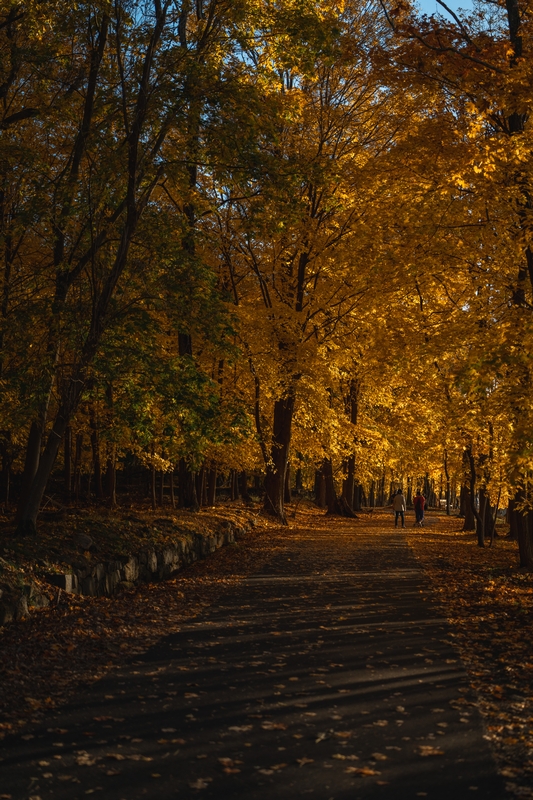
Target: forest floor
[[81, 537], [488, 601], [52, 657]]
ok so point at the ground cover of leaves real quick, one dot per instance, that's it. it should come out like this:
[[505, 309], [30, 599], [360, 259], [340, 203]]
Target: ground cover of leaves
[[489, 603], [77, 639], [63, 538], [487, 599]]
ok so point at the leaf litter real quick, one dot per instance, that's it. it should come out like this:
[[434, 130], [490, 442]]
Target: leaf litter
[[488, 601]]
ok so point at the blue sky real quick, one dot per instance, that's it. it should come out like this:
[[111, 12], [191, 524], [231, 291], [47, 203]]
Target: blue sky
[[430, 6]]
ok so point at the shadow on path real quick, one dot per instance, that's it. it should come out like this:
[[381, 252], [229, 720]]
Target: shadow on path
[[329, 674]]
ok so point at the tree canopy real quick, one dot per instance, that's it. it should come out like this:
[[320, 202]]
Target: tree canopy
[[251, 237]]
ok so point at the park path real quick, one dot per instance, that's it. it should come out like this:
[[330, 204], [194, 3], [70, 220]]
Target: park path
[[328, 673]]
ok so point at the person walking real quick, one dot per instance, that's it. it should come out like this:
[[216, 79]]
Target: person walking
[[398, 506], [419, 503]]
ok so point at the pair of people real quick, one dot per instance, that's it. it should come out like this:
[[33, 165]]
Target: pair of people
[[399, 508]]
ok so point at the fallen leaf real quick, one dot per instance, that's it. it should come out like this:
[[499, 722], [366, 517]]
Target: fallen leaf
[[201, 783], [428, 750], [273, 726], [363, 771], [303, 761]]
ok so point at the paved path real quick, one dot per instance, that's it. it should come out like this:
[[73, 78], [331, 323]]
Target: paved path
[[329, 674]]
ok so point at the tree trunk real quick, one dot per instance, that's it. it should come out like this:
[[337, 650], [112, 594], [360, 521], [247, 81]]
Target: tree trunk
[[525, 533], [348, 484], [186, 487], [287, 494], [320, 488], [331, 497], [480, 528], [153, 484], [484, 516], [381, 496], [172, 494], [31, 465], [357, 497], [111, 478], [212, 486], [67, 461], [243, 481], [200, 486], [233, 486], [335, 505], [276, 467], [97, 466], [447, 474], [298, 484], [162, 488], [512, 516], [78, 452], [470, 520], [7, 460]]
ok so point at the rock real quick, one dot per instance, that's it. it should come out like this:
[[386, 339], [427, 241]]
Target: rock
[[83, 541], [66, 581]]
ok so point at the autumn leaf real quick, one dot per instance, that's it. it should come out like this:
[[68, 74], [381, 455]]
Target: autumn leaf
[[428, 750], [363, 771]]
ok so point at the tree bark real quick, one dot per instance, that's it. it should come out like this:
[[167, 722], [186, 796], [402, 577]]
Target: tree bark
[[31, 465], [78, 452], [348, 484], [212, 486], [200, 486], [111, 478], [331, 497], [187, 487], [525, 533], [97, 465], [162, 488], [153, 481], [243, 485], [172, 494], [512, 516], [470, 520], [274, 502], [320, 488], [287, 493], [335, 505], [480, 528], [447, 474], [67, 464]]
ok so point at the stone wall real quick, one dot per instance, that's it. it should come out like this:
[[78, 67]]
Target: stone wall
[[106, 578]]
